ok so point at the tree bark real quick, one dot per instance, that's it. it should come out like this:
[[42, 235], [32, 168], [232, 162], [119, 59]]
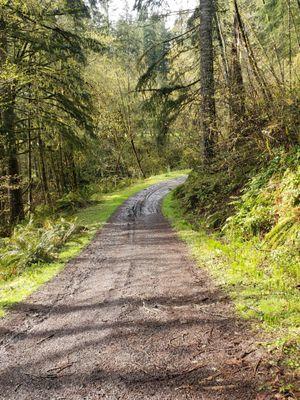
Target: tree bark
[[29, 158], [208, 107], [55, 172], [137, 157], [13, 171], [61, 162], [43, 169], [237, 90], [72, 167], [29, 167], [8, 132]]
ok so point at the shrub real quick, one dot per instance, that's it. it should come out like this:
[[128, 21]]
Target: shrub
[[208, 194], [31, 243], [269, 205], [72, 201]]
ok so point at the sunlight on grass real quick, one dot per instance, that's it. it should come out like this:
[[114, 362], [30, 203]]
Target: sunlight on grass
[[96, 215], [263, 288], [92, 218]]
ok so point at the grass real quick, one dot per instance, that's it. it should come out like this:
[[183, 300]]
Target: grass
[[262, 284], [95, 216], [92, 218]]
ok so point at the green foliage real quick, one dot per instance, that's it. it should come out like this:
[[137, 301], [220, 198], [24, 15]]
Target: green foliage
[[30, 244], [265, 205], [269, 204], [207, 194], [72, 201], [275, 16], [47, 110], [255, 252], [262, 283]]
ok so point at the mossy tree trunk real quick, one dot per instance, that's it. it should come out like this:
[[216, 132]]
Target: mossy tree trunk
[[7, 97]]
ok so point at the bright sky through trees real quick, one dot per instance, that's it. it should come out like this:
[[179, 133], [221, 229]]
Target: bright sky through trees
[[117, 8]]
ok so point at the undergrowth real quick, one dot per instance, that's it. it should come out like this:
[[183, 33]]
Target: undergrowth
[[270, 203], [251, 244], [263, 284], [33, 243]]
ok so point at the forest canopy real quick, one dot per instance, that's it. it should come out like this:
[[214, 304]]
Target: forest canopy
[[87, 98]]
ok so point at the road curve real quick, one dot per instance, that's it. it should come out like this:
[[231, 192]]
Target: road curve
[[131, 318]]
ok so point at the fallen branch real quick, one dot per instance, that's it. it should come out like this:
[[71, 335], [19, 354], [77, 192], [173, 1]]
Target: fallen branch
[[60, 368], [46, 338]]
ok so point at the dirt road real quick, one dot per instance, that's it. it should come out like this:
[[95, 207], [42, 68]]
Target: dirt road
[[131, 318]]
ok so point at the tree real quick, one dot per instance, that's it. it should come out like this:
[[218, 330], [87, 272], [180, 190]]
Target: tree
[[8, 120], [42, 56], [208, 106], [236, 83]]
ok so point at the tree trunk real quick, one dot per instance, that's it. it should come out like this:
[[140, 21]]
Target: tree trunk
[[61, 162], [208, 107], [252, 59], [222, 45], [43, 169], [137, 157], [8, 131], [29, 167], [237, 91], [55, 173], [29, 158], [13, 172], [72, 167]]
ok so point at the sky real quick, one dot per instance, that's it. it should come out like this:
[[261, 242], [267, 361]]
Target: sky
[[117, 7]]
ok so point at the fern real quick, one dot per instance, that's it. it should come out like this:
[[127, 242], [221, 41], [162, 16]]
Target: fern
[[287, 231], [269, 205], [30, 244]]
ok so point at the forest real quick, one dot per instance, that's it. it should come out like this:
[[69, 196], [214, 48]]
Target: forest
[[98, 95]]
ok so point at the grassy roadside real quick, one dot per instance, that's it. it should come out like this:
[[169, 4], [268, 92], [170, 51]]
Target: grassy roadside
[[259, 287], [92, 218]]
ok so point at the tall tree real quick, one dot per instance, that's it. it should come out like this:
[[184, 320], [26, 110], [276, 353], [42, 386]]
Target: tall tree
[[8, 120], [208, 106], [42, 54], [236, 83]]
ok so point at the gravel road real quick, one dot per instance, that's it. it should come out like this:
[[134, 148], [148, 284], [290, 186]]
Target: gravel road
[[131, 318]]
